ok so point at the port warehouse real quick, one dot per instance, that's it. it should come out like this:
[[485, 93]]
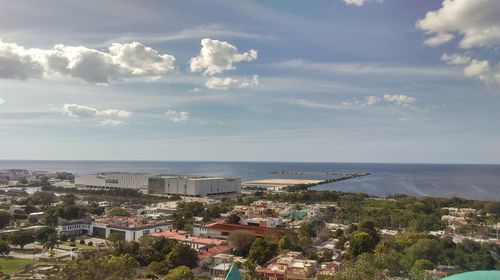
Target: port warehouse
[[195, 186]]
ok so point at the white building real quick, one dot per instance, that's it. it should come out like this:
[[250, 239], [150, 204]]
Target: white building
[[194, 186], [113, 180], [129, 228]]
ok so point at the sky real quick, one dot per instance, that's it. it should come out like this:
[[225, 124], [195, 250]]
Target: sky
[[323, 81]]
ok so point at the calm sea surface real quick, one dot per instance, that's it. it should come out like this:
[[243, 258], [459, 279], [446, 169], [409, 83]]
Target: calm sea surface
[[439, 180]]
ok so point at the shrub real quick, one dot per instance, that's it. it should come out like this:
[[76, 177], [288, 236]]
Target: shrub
[[90, 243], [72, 244], [63, 238], [72, 239], [82, 241]]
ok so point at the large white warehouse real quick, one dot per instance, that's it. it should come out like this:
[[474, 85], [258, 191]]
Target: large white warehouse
[[195, 186], [113, 180]]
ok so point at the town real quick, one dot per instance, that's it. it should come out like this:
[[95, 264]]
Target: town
[[119, 225]]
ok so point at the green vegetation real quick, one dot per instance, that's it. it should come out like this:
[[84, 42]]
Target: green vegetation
[[9, 265], [77, 244], [105, 267]]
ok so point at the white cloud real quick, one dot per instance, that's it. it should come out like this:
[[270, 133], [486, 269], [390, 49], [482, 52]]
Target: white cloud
[[477, 25], [476, 21], [107, 117], [110, 122], [2, 101], [218, 56], [399, 99], [177, 117], [16, 62], [355, 68], [455, 59], [123, 61], [439, 39], [481, 69], [313, 104], [367, 101], [229, 82], [358, 3], [475, 68]]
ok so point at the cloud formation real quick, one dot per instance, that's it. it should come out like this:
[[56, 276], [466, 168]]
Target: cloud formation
[[367, 101], [355, 103], [358, 3], [455, 59], [399, 99], [218, 56], [107, 117], [475, 68], [2, 101], [230, 82], [177, 117], [476, 22], [122, 61]]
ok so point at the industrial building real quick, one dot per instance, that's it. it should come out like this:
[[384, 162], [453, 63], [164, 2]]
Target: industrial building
[[161, 184], [113, 180], [194, 186]]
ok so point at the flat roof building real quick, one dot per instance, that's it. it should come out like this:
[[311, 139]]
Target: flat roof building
[[113, 180], [194, 186]]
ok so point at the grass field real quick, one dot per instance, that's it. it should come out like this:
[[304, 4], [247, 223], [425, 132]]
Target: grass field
[[9, 265]]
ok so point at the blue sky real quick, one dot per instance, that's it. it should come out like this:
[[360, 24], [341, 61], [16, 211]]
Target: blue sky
[[334, 81]]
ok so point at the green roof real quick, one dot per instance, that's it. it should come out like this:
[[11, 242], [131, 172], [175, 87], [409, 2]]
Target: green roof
[[476, 275], [234, 273]]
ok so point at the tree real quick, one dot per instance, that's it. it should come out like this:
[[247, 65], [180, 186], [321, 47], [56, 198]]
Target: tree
[[50, 243], [240, 241], [180, 273], [21, 238], [427, 249], [42, 198], [159, 267], [115, 237], [68, 199], [117, 211], [5, 218], [182, 254], [108, 267], [43, 234], [360, 242], [4, 247], [261, 251], [233, 219]]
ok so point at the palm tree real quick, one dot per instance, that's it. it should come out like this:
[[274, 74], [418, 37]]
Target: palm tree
[[51, 242]]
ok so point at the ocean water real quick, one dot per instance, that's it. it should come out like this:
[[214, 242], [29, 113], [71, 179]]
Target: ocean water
[[437, 180]]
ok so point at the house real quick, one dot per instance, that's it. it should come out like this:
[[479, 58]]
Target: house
[[73, 227], [129, 228], [291, 265], [222, 230], [196, 243]]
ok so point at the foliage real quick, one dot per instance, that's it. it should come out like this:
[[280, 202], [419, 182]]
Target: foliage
[[182, 254], [233, 219], [180, 273], [361, 242], [107, 267], [4, 247], [240, 241], [261, 251], [21, 238], [5, 218], [43, 234], [42, 198]]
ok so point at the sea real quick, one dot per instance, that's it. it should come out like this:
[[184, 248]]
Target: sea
[[437, 180]]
